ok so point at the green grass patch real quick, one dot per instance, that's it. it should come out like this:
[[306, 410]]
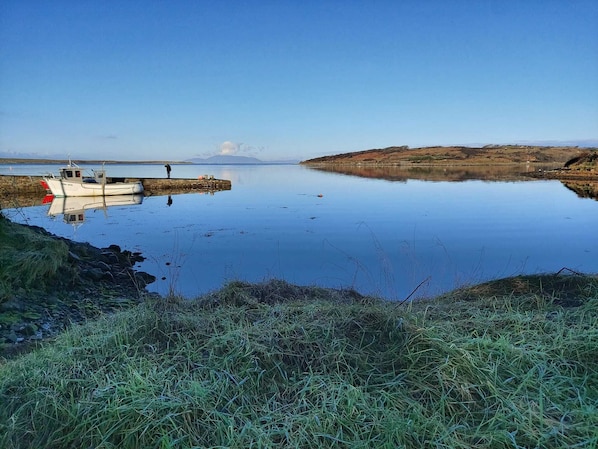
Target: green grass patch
[[275, 365], [28, 259]]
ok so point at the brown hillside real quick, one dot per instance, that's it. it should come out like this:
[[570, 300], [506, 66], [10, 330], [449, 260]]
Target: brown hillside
[[587, 161], [488, 155]]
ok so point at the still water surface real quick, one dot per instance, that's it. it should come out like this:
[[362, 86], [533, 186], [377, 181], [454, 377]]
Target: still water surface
[[377, 236]]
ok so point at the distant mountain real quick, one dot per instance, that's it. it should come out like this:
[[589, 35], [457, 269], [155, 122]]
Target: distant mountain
[[234, 160]]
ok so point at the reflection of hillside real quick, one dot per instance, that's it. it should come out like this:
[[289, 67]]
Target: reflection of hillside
[[16, 200], [388, 173], [583, 189], [429, 173]]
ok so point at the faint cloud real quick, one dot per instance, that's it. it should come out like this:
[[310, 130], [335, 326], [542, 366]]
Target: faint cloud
[[109, 137], [229, 148]]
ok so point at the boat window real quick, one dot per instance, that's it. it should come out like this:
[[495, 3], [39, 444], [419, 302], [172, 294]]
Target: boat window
[[69, 173], [77, 174]]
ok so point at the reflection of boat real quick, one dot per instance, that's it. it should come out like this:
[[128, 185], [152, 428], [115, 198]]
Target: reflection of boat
[[72, 183], [74, 208]]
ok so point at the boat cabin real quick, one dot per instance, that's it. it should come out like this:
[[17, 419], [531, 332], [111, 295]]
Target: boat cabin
[[99, 176], [71, 174], [74, 218], [75, 174]]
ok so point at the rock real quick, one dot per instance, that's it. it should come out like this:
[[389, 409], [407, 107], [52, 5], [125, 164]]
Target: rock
[[95, 274], [109, 257], [91, 282], [29, 329], [12, 337], [12, 305], [144, 278], [39, 335]]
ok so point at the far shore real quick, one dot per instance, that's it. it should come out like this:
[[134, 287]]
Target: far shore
[[15, 161]]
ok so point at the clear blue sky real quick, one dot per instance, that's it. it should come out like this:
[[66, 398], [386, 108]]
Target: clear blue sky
[[297, 79]]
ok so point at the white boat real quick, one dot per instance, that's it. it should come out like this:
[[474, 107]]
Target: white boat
[[71, 182]]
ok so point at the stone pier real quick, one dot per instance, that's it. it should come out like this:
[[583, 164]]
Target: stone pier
[[27, 190]]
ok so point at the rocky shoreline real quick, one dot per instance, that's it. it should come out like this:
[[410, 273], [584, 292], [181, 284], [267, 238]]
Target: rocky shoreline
[[96, 281]]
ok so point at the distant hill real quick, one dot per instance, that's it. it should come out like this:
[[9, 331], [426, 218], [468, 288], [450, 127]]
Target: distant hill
[[234, 160], [454, 155], [587, 161]]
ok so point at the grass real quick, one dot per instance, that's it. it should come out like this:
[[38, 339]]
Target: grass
[[276, 365], [28, 259]]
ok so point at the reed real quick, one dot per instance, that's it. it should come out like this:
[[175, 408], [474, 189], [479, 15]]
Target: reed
[[276, 365]]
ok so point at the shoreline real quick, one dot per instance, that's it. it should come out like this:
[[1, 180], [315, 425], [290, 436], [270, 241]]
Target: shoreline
[[29, 186], [41, 161], [87, 282], [275, 364], [562, 163], [103, 279]]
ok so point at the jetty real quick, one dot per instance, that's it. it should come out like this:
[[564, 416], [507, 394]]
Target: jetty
[[28, 190], [172, 186]]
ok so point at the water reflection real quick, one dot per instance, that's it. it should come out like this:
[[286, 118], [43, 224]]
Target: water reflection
[[73, 208], [311, 227], [583, 189], [434, 173]]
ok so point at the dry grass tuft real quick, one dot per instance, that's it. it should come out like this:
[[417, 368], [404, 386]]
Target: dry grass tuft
[[277, 365]]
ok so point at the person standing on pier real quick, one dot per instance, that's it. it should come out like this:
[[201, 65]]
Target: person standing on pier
[[167, 170]]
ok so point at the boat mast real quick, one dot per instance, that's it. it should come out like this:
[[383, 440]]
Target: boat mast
[[103, 180]]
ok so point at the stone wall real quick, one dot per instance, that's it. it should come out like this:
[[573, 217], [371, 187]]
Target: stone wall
[[10, 184]]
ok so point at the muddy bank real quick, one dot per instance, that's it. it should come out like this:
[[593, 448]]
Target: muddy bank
[[91, 281], [566, 175]]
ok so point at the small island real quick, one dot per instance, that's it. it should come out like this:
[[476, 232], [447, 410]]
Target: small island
[[458, 163], [454, 155]]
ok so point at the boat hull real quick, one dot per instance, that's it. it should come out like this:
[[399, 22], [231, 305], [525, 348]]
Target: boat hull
[[62, 188], [69, 205]]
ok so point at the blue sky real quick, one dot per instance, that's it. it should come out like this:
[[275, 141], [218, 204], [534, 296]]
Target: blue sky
[[282, 79]]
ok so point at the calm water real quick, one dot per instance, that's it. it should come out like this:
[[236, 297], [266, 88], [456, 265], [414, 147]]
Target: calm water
[[379, 237]]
